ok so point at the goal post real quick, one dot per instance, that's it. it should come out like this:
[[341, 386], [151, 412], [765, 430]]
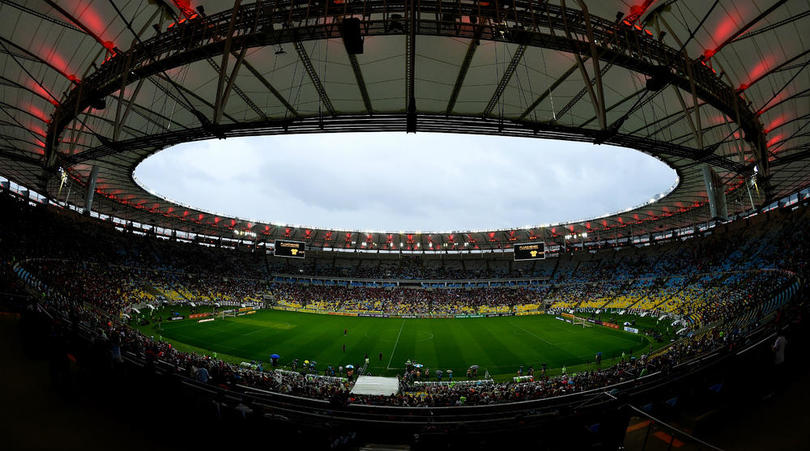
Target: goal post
[[226, 314], [577, 321]]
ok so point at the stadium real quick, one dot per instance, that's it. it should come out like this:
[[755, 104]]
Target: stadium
[[135, 319]]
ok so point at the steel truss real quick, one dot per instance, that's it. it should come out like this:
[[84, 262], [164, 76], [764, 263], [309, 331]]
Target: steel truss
[[526, 23]]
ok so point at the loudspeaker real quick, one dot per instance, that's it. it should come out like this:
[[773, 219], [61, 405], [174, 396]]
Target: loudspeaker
[[98, 103], [352, 38], [659, 79]]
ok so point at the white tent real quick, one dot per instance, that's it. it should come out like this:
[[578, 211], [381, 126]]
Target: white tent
[[375, 385]]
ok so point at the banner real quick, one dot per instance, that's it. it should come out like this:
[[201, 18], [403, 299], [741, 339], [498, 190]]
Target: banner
[[175, 318], [631, 329], [199, 315]]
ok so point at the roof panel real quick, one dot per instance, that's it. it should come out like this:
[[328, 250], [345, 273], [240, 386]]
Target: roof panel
[[43, 47]]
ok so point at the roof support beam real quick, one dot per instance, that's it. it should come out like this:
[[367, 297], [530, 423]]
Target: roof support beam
[[130, 130], [232, 85], [3, 43], [361, 84], [774, 70], [462, 71], [598, 78], [568, 106], [130, 103], [773, 26], [695, 105], [746, 27], [185, 91], [19, 124], [124, 78], [42, 16], [74, 138], [599, 110], [548, 91], [801, 155], [410, 69], [20, 110], [198, 40], [661, 120], [5, 153], [687, 112], [151, 116], [629, 97], [504, 81], [223, 67], [76, 21], [151, 57], [127, 68], [600, 93], [313, 75], [270, 88], [9, 139]]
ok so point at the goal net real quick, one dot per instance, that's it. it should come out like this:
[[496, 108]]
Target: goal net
[[227, 314], [577, 321]]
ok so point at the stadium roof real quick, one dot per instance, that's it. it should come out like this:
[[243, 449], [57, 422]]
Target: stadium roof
[[103, 84]]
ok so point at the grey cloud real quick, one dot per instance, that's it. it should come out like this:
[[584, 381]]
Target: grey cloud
[[405, 182]]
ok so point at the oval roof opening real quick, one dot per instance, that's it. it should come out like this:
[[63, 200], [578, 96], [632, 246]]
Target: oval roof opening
[[405, 182]]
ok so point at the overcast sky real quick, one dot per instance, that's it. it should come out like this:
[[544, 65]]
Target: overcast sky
[[399, 182]]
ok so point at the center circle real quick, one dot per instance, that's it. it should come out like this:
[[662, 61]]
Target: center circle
[[405, 182]]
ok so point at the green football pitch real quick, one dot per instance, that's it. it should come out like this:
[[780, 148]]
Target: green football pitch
[[499, 345]]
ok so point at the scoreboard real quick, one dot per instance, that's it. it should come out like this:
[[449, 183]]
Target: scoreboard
[[530, 251], [285, 248]]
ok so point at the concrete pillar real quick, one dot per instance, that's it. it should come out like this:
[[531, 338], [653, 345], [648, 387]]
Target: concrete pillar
[[715, 191], [91, 189]]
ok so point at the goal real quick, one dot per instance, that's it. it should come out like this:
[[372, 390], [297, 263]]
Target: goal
[[577, 321], [227, 314]]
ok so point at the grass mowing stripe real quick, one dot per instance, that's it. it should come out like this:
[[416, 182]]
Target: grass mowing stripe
[[534, 335], [500, 344]]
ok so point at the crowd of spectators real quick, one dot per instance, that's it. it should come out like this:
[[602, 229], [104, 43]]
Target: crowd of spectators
[[89, 272], [403, 301], [543, 386]]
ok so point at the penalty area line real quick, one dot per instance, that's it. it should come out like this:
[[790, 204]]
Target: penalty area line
[[388, 366], [534, 335]]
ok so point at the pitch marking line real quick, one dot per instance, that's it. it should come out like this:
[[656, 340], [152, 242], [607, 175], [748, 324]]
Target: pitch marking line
[[533, 335], [395, 346]]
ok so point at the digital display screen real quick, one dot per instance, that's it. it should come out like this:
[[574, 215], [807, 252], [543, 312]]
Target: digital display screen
[[292, 249], [530, 251]]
